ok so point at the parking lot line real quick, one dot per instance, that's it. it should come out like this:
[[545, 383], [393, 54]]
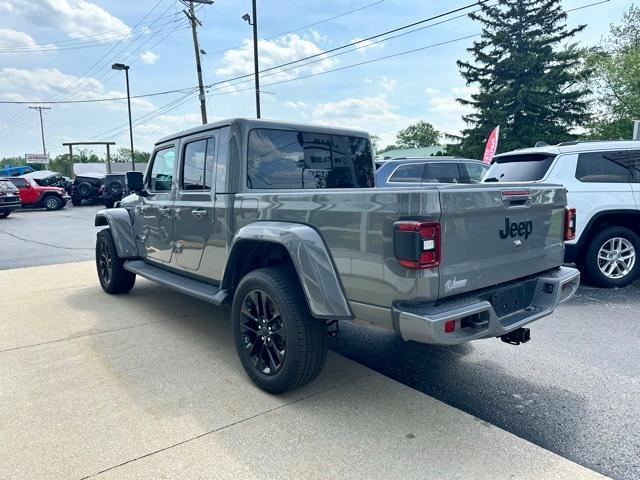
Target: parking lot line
[[147, 385]]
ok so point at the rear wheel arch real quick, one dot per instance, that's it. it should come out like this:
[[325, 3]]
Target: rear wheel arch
[[269, 244], [620, 218]]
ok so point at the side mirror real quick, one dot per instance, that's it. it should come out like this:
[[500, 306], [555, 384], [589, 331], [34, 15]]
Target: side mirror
[[135, 182]]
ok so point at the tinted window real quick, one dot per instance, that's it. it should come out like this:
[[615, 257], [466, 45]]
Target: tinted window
[[603, 167], [285, 159], [411, 173], [474, 171], [161, 176], [19, 182], [519, 168], [197, 164], [634, 163], [445, 172]]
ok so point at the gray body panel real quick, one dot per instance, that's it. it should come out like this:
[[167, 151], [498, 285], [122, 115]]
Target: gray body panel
[[341, 241], [119, 221], [311, 260]]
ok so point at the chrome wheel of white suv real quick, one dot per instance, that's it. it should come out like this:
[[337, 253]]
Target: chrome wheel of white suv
[[616, 258]]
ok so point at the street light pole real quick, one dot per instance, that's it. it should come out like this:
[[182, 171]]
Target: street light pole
[[122, 66], [253, 20]]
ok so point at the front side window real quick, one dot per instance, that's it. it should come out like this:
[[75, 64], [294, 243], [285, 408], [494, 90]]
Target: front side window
[[161, 176], [519, 168], [197, 164], [291, 159], [411, 173], [603, 167], [444, 172]]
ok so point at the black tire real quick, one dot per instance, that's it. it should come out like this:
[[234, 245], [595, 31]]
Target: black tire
[[111, 273], [303, 339], [5, 214], [84, 189], [603, 242], [76, 202], [52, 202], [115, 188]]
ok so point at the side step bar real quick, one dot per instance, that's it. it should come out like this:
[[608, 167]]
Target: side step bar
[[195, 288]]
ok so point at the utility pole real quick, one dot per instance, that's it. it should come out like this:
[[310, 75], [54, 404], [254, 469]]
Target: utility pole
[[253, 21], [44, 149], [194, 23]]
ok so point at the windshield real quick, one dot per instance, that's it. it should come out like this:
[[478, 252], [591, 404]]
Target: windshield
[[519, 168], [51, 181]]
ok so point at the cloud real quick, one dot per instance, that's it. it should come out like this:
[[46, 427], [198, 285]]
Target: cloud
[[365, 45], [389, 84], [446, 110], [291, 104], [275, 52], [76, 18], [166, 124], [149, 57], [19, 40], [46, 83]]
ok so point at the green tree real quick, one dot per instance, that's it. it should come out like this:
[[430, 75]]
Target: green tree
[[124, 155], [529, 80], [617, 79], [418, 135]]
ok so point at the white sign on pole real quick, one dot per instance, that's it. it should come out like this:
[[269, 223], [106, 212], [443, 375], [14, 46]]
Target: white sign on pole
[[36, 158]]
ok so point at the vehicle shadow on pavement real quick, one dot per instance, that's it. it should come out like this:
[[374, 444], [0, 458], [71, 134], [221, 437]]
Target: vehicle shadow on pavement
[[464, 377]]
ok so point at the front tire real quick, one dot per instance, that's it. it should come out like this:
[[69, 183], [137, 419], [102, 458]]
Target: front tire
[[111, 273], [76, 202], [280, 345], [611, 259], [5, 214], [53, 202]]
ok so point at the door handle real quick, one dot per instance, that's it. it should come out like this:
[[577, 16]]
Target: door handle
[[199, 213]]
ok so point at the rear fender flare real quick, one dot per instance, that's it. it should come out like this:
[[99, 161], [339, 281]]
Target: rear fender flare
[[311, 259], [118, 220]]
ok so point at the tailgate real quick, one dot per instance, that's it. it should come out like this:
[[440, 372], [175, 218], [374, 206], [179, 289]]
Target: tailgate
[[495, 233]]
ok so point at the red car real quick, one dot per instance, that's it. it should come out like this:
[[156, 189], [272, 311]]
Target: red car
[[36, 196]]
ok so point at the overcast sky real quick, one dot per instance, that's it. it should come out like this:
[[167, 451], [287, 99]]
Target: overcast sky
[[63, 49]]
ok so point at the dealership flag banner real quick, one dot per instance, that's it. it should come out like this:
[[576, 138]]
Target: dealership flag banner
[[492, 145]]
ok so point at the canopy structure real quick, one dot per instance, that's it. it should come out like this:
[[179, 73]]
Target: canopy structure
[[107, 144]]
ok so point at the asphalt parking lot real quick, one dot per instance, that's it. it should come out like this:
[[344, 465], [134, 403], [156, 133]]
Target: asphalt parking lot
[[573, 390]]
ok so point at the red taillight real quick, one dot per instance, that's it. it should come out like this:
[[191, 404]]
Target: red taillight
[[570, 224], [417, 244], [449, 326]]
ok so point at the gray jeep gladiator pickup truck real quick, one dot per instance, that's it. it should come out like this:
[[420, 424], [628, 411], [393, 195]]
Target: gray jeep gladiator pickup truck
[[284, 223]]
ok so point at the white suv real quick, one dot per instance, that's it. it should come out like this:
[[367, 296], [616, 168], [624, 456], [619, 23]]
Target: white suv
[[603, 183]]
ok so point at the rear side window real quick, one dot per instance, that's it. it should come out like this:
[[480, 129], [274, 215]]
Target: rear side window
[[411, 173], [603, 167], [290, 159], [519, 168], [475, 172], [197, 164], [443, 172]]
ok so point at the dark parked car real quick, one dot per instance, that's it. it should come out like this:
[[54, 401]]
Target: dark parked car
[[9, 198], [409, 172], [87, 186], [114, 189]]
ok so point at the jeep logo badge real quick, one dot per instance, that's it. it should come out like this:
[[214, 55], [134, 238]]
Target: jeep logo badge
[[516, 229]]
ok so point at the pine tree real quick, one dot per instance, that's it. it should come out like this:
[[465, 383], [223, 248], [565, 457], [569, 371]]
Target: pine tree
[[529, 81]]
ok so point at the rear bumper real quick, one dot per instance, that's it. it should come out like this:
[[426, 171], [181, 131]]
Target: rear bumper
[[426, 323]]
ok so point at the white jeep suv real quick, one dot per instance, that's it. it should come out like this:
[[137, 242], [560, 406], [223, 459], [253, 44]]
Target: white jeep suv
[[603, 183]]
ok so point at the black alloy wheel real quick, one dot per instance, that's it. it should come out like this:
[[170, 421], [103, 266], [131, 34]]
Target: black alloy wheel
[[263, 332], [105, 267]]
